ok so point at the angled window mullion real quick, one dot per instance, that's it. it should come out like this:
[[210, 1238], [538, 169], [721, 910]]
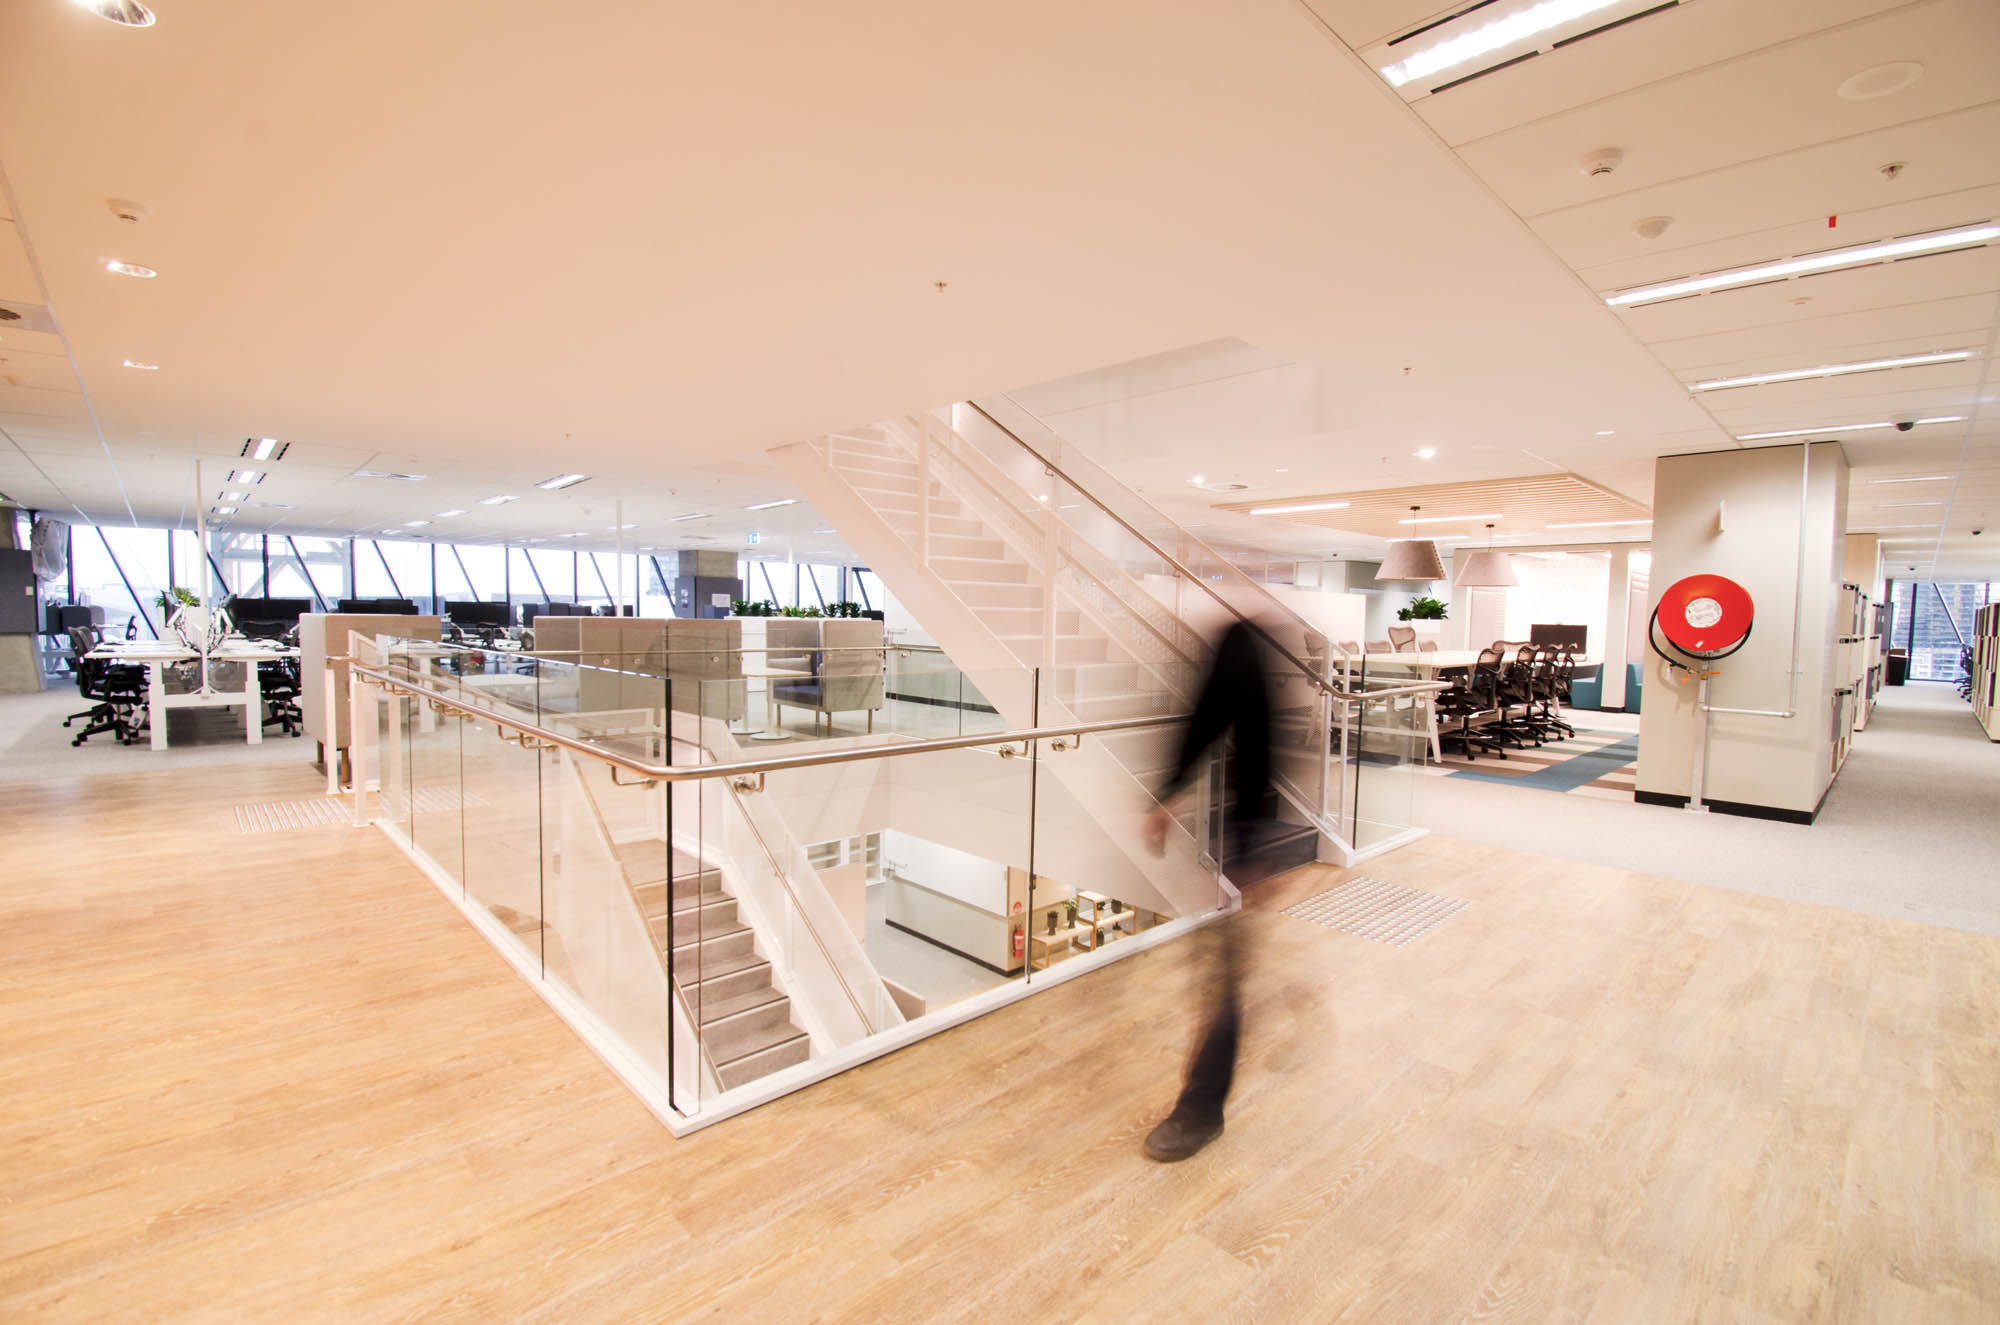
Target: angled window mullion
[[119, 566]]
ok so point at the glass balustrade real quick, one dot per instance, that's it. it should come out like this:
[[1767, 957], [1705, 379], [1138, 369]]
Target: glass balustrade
[[724, 936]]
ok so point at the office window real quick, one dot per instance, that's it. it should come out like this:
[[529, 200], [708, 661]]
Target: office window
[[241, 557], [142, 554], [656, 586], [96, 573], [483, 568], [554, 572], [310, 568], [1938, 625]]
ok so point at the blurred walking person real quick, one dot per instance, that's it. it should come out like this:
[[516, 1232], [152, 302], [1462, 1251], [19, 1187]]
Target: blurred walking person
[[1232, 713]]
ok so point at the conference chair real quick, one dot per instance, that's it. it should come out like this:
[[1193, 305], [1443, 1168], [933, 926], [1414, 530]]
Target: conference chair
[[1517, 694], [1562, 674], [1475, 704], [1427, 646], [1402, 638]]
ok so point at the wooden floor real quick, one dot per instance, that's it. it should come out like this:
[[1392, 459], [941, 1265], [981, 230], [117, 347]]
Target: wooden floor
[[276, 1077]]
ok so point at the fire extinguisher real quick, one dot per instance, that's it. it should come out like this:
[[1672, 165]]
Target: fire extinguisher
[[1020, 942]]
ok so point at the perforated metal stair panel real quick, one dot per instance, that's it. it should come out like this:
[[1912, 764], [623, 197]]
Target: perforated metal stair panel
[[324, 811], [1371, 909]]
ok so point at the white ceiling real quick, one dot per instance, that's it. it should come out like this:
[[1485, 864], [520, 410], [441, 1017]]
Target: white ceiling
[[492, 245]]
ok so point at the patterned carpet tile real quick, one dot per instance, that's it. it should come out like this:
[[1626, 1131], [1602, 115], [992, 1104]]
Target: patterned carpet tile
[[1595, 763]]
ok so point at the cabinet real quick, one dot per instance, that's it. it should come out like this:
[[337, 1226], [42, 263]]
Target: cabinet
[[1986, 669]]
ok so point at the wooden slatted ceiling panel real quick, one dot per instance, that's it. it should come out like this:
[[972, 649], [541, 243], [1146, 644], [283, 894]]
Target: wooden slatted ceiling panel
[[1526, 505]]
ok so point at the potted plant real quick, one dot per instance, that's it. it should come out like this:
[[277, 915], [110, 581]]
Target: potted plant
[[1069, 907], [1422, 609]]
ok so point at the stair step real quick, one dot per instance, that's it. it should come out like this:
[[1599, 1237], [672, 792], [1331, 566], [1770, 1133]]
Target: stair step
[[1103, 708], [1011, 621], [645, 862], [1068, 648], [860, 445], [979, 570], [889, 499], [905, 523], [766, 1000], [999, 595], [764, 1061], [713, 948], [717, 986], [713, 969], [716, 922]]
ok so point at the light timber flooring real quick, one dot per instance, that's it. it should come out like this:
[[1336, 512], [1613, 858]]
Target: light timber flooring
[[276, 1077]]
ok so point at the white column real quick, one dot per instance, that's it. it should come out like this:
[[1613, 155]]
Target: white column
[[1617, 611]]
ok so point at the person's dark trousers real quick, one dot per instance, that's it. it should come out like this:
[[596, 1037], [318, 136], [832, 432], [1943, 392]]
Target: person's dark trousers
[[1212, 1067]]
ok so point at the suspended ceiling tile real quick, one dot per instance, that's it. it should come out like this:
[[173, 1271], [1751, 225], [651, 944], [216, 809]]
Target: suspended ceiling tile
[[1766, 103], [17, 277], [1941, 324], [1885, 285], [1362, 23], [42, 402], [1661, 46], [1521, 502], [1769, 208]]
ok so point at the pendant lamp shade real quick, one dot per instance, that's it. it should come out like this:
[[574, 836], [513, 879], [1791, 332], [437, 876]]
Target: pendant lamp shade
[[1412, 559], [1487, 568]]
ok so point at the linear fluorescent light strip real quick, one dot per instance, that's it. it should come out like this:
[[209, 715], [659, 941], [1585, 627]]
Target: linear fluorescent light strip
[[1840, 427], [1450, 519], [1300, 506], [496, 501], [265, 448], [561, 481], [1595, 524], [1904, 505], [698, 515], [1915, 478], [1833, 370], [1861, 255], [1491, 37], [767, 505]]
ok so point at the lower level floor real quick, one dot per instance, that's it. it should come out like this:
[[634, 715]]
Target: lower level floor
[[272, 1074]]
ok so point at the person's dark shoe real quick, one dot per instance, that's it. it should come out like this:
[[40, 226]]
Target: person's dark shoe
[[1178, 1137]]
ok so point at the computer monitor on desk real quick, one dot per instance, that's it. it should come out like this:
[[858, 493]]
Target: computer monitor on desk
[[267, 618], [379, 606], [478, 616], [529, 611]]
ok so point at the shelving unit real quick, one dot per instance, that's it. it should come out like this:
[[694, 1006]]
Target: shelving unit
[[1986, 669]]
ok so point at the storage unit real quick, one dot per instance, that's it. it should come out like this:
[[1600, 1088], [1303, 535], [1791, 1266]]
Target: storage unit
[[1986, 668], [324, 635]]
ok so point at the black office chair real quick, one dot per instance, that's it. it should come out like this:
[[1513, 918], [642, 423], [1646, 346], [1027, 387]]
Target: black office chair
[[1541, 714], [117, 691], [1516, 724], [279, 685], [1562, 675], [1475, 703]]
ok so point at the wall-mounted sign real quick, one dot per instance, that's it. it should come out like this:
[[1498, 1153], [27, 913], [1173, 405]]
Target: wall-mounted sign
[[752, 539]]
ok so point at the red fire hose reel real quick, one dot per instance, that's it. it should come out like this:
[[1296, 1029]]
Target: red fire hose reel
[[1703, 616]]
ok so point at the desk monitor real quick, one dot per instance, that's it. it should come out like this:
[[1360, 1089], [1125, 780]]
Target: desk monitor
[[1561, 637], [379, 606], [286, 610], [463, 613]]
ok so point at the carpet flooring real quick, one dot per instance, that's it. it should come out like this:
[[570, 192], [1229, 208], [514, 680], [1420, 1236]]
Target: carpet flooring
[[1591, 763], [1909, 829]]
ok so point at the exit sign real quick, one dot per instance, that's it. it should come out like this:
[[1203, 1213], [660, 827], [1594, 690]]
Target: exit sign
[[752, 539]]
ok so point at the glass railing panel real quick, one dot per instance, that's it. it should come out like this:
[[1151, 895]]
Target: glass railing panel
[[1388, 739], [503, 831], [604, 871], [436, 775], [837, 902]]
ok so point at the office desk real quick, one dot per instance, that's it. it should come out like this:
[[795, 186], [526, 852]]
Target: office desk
[[157, 656]]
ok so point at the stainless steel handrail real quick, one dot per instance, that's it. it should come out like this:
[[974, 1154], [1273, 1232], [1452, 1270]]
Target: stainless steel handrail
[[747, 767], [852, 754]]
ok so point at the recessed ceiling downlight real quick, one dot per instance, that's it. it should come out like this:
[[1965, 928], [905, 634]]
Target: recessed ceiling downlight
[[129, 269], [128, 13], [1879, 80]]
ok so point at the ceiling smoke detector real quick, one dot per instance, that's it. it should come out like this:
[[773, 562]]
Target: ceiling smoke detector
[[1651, 227], [1222, 485], [131, 213], [1601, 162]]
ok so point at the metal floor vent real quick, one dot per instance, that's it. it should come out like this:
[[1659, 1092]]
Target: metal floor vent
[[325, 811], [1372, 909]]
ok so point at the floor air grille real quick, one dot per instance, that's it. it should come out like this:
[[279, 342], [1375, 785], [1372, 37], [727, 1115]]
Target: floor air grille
[[325, 811], [1372, 909]]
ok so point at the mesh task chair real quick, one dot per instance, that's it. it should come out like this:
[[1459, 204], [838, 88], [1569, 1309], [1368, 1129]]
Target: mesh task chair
[[279, 684], [1562, 673], [117, 691], [1517, 695], [1475, 704], [1402, 638]]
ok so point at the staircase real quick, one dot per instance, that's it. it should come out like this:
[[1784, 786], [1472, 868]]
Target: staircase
[[1004, 584], [746, 1020]]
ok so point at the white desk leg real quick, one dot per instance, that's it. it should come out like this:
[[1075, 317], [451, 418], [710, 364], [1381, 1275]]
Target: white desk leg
[[253, 712], [156, 703]]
